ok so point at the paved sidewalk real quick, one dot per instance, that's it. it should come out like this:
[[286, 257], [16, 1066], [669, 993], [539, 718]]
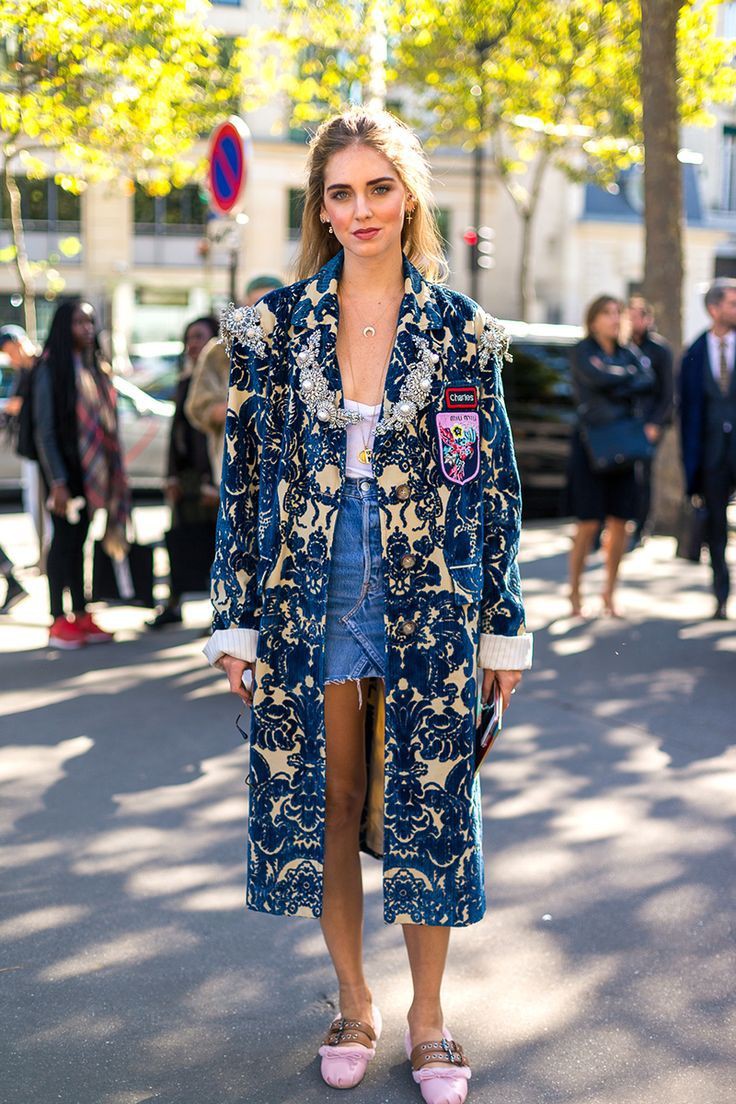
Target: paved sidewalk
[[602, 974]]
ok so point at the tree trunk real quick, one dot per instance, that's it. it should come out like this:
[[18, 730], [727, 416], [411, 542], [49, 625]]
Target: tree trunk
[[663, 216], [527, 211], [22, 266]]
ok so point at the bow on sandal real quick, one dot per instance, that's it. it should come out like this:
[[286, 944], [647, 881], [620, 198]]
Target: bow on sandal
[[447, 1084], [348, 1048]]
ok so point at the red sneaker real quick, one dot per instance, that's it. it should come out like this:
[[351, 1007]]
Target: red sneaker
[[66, 634], [91, 631]]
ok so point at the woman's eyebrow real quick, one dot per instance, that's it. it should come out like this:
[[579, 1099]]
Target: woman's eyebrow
[[370, 183]]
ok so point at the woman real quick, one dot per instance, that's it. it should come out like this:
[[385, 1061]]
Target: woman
[[365, 567], [76, 437], [610, 383], [189, 486]]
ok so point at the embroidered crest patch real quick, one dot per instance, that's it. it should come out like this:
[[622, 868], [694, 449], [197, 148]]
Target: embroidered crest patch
[[459, 445]]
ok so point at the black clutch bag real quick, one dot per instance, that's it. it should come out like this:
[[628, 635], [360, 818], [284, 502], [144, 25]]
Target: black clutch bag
[[692, 530], [129, 580], [617, 445]]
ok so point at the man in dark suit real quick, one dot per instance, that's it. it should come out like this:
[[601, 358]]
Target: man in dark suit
[[654, 352], [708, 422]]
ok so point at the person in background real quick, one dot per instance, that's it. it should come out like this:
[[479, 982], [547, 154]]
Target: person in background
[[653, 352], [609, 383], [206, 406], [708, 426], [189, 490], [17, 347], [76, 437]]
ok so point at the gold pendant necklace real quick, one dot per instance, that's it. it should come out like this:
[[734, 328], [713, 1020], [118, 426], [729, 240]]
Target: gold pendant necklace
[[368, 329]]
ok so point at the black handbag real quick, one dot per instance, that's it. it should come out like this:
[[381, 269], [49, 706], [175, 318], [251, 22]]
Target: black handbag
[[129, 580], [617, 445], [691, 530], [191, 548]]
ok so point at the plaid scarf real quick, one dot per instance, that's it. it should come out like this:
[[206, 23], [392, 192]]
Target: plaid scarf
[[105, 483]]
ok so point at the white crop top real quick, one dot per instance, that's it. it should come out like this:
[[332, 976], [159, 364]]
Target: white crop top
[[356, 464]]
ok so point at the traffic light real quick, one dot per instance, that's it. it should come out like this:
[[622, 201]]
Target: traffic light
[[486, 247], [481, 246]]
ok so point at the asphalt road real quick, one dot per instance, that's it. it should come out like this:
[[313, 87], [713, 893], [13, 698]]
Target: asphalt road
[[602, 974]]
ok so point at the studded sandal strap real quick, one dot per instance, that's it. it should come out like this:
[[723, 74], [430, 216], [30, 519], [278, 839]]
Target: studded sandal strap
[[445, 1050], [350, 1031]]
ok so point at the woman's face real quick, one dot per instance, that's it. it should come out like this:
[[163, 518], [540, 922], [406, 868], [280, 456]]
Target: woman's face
[[83, 327], [196, 338], [606, 325], [365, 201]]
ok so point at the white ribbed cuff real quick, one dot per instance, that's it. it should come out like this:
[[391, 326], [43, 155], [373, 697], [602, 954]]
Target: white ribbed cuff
[[238, 643], [505, 653]]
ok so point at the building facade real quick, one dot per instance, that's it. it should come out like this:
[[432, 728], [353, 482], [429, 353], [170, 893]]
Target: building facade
[[151, 264]]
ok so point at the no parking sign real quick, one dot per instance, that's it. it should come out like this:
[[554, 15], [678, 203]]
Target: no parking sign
[[230, 155]]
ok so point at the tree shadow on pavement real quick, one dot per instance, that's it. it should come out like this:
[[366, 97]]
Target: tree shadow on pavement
[[132, 972]]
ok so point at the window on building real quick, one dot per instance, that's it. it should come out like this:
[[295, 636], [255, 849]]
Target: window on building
[[728, 25], [725, 266], [728, 189], [296, 210], [183, 211], [43, 204]]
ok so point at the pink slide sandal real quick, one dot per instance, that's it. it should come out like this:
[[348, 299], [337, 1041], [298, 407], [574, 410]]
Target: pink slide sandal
[[343, 1067], [439, 1084]]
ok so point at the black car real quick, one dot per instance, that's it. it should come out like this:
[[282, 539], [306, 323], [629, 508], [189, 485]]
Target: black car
[[541, 409]]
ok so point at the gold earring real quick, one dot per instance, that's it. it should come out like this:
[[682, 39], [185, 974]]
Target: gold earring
[[410, 214]]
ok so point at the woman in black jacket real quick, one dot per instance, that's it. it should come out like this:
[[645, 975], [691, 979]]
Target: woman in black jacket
[[76, 437], [189, 487], [610, 384]]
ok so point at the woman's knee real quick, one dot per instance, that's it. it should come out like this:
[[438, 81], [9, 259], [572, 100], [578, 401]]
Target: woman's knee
[[343, 807]]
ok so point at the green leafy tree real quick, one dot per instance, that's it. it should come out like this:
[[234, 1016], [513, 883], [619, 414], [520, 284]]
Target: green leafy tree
[[535, 83], [106, 89], [559, 86]]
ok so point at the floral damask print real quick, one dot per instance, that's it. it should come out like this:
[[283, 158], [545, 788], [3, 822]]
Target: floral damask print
[[281, 494]]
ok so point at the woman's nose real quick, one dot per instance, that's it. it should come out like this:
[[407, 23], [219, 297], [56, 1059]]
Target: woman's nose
[[362, 207]]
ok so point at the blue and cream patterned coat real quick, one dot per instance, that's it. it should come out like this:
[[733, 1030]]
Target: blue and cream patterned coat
[[449, 503]]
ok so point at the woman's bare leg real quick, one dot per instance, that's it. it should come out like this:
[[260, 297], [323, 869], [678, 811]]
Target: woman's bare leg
[[427, 950], [582, 543], [614, 550], [342, 907]]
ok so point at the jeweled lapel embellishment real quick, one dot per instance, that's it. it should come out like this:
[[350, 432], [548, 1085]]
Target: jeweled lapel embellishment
[[318, 397], [242, 324], [415, 393], [493, 342]]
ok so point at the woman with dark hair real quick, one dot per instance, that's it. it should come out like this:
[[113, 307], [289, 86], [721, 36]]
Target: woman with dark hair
[[189, 487], [76, 437], [610, 384], [365, 580]]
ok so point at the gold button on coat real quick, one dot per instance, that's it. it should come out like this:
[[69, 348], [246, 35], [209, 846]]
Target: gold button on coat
[[402, 492], [408, 628], [408, 561]]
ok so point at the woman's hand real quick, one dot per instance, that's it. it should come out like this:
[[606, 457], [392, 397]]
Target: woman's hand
[[58, 499], [507, 681], [653, 432], [235, 669]]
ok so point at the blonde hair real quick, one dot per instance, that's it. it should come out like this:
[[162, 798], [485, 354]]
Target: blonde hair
[[380, 131]]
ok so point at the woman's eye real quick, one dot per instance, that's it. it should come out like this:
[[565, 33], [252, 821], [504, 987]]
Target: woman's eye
[[339, 195], [382, 188]]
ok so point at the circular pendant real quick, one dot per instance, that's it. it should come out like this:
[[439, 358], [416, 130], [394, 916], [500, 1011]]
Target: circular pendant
[[365, 456], [369, 331]]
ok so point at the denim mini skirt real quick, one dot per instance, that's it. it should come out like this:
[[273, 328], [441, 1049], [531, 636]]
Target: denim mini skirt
[[355, 641]]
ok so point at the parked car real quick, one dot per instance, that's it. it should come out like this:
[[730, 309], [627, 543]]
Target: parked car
[[541, 407], [154, 367], [145, 426]]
